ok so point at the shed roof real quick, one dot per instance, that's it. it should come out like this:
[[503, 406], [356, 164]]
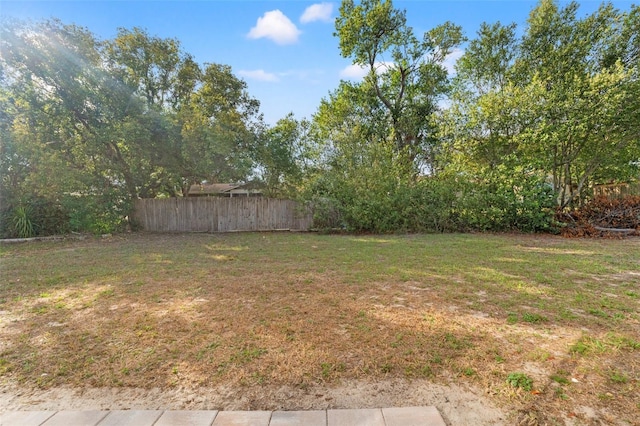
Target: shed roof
[[225, 188]]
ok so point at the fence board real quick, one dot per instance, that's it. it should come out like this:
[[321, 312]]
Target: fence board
[[213, 214], [617, 190]]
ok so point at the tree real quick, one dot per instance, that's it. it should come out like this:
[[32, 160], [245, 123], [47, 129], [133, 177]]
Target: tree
[[486, 110], [71, 105], [286, 156], [588, 112], [43, 159], [559, 103], [406, 74], [155, 68], [201, 124], [221, 125], [117, 120], [378, 135], [128, 110]]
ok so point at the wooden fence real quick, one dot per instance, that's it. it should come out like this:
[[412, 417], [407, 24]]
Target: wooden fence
[[214, 214], [617, 190]]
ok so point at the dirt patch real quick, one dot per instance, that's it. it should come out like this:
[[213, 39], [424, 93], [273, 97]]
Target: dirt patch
[[457, 405]]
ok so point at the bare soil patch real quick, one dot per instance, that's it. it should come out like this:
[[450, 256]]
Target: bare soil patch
[[458, 405]]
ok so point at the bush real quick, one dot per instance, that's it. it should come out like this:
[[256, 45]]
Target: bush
[[506, 203], [33, 217], [50, 216], [377, 200], [327, 213], [102, 214], [443, 205], [21, 222], [432, 204], [38, 216]]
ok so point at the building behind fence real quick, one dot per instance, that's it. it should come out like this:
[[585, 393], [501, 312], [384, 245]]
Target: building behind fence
[[214, 214]]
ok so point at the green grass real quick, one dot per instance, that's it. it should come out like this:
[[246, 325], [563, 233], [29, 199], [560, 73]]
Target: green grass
[[294, 309], [560, 378]]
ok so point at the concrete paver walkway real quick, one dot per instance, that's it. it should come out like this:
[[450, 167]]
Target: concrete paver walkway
[[405, 416]]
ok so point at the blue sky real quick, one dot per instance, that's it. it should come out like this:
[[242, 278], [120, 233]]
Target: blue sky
[[285, 50]]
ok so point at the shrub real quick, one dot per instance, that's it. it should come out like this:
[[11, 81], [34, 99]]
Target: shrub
[[500, 202], [327, 213], [438, 204], [36, 216], [50, 216], [376, 200], [22, 223], [101, 214]]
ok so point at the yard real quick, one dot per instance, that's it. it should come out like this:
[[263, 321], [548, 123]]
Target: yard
[[544, 329]]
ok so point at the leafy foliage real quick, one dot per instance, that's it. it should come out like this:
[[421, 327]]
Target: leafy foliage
[[33, 217], [561, 101], [533, 121], [405, 77], [287, 154], [107, 122], [436, 204], [520, 380], [504, 201], [21, 221]]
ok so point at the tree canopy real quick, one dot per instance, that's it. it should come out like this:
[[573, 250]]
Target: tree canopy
[[560, 102], [122, 119]]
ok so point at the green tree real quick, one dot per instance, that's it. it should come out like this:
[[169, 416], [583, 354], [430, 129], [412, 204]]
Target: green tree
[[361, 170], [117, 120], [486, 110], [560, 103], [199, 124], [287, 154], [69, 104], [585, 96], [406, 74], [155, 68], [221, 126], [378, 135]]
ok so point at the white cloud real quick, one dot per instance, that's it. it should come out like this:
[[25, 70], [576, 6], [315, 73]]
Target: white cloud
[[358, 72], [260, 75], [275, 26], [317, 12], [451, 59], [354, 72]]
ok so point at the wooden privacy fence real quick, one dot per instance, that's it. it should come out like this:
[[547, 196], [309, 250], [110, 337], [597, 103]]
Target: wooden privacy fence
[[617, 190], [213, 214]]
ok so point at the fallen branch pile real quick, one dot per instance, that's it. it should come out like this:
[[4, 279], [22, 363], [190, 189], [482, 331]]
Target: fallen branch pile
[[603, 217]]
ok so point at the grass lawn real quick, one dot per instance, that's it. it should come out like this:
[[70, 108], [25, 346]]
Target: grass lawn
[[542, 324]]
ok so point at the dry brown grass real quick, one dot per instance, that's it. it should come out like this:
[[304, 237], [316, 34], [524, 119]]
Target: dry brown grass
[[299, 309]]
